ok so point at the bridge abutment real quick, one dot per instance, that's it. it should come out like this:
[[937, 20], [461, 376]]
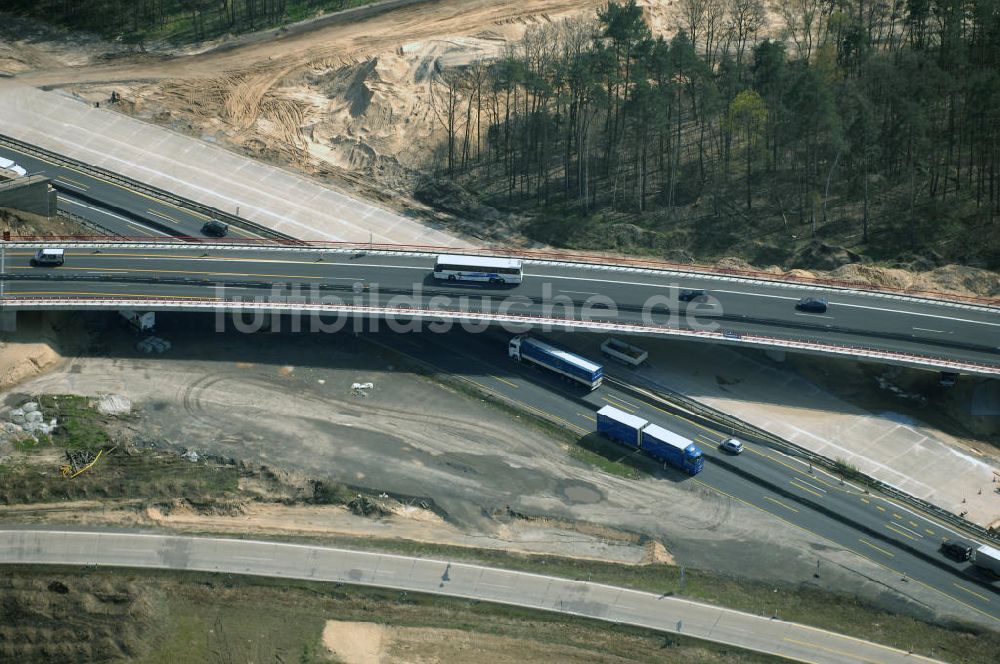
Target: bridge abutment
[[776, 355], [8, 321]]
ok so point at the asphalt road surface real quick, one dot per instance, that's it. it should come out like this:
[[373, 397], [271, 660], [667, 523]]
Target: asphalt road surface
[[114, 206], [931, 329], [887, 533], [315, 563]]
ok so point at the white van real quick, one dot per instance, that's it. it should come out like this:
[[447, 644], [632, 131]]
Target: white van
[[48, 257]]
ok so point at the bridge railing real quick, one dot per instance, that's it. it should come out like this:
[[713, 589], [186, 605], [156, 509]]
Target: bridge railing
[[476, 314]]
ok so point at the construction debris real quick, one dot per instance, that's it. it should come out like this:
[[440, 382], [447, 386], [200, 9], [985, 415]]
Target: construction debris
[[365, 506], [361, 389], [79, 461], [114, 404], [27, 420]]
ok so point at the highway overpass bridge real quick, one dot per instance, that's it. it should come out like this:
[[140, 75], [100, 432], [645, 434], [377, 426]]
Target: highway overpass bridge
[[336, 283]]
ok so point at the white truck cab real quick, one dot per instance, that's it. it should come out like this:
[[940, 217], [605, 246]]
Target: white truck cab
[[49, 257]]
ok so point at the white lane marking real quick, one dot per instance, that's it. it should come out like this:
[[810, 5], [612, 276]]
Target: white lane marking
[[70, 184], [917, 313], [579, 292], [804, 481], [899, 525], [803, 313], [926, 329], [546, 276], [111, 214], [779, 297]]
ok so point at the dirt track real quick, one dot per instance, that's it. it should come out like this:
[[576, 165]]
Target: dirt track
[[387, 31]]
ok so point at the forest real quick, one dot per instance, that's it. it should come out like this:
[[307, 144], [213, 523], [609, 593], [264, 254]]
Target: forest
[[178, 21], [871, 124]]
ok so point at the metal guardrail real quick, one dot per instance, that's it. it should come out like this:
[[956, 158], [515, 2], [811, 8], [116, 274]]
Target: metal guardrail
[[716, 418], [266, 233], [86, 223]]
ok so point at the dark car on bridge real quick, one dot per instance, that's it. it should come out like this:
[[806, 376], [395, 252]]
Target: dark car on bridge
[[814, 305], [688, 295], [215, 228]]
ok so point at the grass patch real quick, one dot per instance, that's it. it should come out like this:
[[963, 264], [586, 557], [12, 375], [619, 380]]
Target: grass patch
[[80, 426], [200, 617], [121, 472], [846, 469], [838, 612], [146, 474], [29, 444], [612, 459]]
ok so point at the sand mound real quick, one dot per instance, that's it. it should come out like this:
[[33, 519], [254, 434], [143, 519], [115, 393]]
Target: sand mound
[[355, 642]]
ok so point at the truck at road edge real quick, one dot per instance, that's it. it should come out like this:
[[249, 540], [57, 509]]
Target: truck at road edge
[[659, 443], [987, 558], [623, 352], [568, 365]]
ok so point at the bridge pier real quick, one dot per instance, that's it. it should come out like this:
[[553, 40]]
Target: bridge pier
[[8, 321], [775, 354]]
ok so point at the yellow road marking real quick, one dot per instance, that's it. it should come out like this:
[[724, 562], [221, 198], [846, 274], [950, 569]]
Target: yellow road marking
[[865, 500], [503, 380], [914, 524], [162, 216], [793, 468], [877, 548], [132, 295], [857, 553], [900, 532], [971, 592], [141, 230], [72, 181], [203, 273], [190, 257], [880, 508], [834, 651], [799, 486], [587, 417], [537, 411], [619, 404], [778, 502], [241, 232], [928, 531], [896, 515]]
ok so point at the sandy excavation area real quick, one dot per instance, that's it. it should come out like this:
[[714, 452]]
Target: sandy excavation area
[[373, 643], [351, 100], [353, 104]]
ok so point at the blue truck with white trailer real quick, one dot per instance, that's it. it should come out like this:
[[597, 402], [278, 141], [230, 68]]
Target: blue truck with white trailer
[[654, 440], [620, 426], [569, 365], [673, 448]]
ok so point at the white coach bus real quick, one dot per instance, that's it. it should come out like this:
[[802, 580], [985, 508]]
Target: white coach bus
[[478, 268]]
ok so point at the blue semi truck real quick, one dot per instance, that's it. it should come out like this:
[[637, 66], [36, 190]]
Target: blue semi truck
[[659, 443], [569, 365]]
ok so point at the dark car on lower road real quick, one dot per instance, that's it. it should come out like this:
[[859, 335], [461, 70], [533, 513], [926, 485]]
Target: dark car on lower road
[[957, 549], [215, 228], [814, 305]]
